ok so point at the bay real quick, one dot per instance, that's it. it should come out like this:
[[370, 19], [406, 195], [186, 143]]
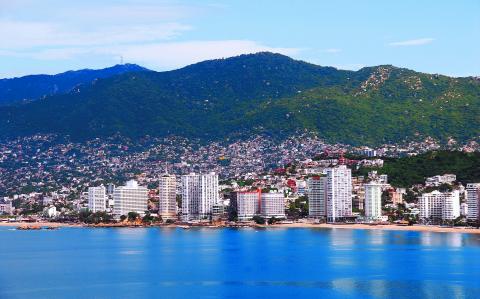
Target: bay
[[237, 263]]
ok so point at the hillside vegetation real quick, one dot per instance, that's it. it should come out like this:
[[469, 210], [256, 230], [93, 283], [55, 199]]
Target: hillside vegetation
[[260, 93]]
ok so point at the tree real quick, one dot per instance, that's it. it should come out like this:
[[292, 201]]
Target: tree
[[123, 217], [272, 220], [259, 219], [132, 216], [148, 218]]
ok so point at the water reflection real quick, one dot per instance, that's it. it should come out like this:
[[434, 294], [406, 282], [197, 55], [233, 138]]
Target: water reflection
[[243, 263]]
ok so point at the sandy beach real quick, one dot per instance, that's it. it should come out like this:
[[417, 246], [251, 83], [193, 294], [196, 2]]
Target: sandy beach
[[421, 228]]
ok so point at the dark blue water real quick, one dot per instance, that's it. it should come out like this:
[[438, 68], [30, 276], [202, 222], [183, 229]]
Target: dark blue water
[[237, 263]]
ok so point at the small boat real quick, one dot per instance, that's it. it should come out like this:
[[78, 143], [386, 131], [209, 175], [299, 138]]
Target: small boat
[[184, 226]]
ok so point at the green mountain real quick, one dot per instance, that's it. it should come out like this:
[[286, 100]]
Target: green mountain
[[407, 171], [33, 87], [260, 93]]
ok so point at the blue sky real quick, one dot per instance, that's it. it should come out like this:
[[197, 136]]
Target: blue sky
[[52, 36]]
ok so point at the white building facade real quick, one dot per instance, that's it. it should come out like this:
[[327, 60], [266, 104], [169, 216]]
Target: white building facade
[[438, 205], [167, 197], [272, 205], [473, 201], [330, 197], [199, 194], [246, 204], [130, 198], [373, 200], [339, 193], [97, 199]]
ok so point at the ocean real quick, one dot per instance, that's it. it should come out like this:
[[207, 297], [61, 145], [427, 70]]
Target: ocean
[[237, 263]]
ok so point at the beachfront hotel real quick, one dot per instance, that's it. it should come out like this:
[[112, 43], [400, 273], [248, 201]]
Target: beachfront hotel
[[199, 195], [331, 196], [130, 198], [373, 200], [97, 199], [246, 204], [473, 202], [317, 197], [167, 197], [272, 204], [438, 205]]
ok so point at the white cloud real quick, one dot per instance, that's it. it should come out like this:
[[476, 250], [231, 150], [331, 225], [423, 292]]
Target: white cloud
[[412, 42], [27, 35], [332, 50], [161, 55], [177, 54], [147, 32]]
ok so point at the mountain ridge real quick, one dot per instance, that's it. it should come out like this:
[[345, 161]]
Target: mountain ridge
[[260, 93], [32, 87]]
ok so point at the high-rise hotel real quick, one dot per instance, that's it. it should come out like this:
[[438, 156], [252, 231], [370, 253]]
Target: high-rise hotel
[[473, 202], [97, 199], [330, 197], [199, 194], [373, 200], [248, 204], [167, 197], [130, 198], [436, 205]]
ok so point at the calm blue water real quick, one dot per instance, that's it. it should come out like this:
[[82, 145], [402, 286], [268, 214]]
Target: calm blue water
[[237, 263]]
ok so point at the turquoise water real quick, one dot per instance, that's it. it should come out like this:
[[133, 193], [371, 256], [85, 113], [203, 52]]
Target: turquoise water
[[237, 263]]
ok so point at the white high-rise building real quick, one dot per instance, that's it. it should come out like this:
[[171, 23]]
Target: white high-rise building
[[438, 205], [317, 197], [130, 198], [199, 194], [331, 196], [373, 200], [167, 197], [97, 199], [272, 205], [246, 204], [473, 201], [339, 193]]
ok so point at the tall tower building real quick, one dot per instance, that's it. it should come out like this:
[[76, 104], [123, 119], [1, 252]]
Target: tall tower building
[[97, 199], [339, 193], [167, 198], [199, 194], [373, 200], [130, 198], [473, 202], [317, 200], [330, 197]]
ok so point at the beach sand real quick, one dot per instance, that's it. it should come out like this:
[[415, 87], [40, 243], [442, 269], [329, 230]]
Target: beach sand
[[420, 228]]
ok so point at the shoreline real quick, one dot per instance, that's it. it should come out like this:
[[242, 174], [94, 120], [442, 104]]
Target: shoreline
[[388, 227]]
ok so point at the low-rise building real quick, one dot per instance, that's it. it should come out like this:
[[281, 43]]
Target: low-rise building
[[6, 207], [438, 180]]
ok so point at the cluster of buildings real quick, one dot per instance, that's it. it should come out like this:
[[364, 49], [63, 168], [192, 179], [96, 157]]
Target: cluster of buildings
[[263, 178], [200, 200], [48, 163]]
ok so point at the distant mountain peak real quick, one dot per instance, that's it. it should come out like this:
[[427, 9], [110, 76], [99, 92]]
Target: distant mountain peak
[[33, 87]]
